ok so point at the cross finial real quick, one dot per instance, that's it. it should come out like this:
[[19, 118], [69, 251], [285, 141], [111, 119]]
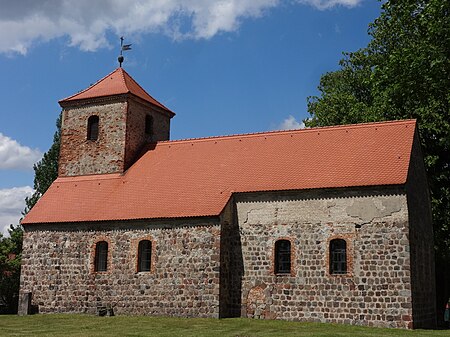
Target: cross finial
[[122, 48]]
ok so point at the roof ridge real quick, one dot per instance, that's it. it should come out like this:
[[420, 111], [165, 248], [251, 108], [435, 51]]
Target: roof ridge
[[145, 91], [89, 87], [276, 132], [122, 73], [358, 125]]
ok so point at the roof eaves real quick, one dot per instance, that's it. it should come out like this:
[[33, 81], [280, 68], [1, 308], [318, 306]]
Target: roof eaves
[[70, 98], [145, 91], [321, 188], [159, 107], [184, 217]]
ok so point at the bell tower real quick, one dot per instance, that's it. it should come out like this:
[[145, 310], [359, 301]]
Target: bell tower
[[106, 126]]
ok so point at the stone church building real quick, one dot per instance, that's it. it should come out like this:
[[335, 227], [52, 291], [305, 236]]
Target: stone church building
[[325, 224]]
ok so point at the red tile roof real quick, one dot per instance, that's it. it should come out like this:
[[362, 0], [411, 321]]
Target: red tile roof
[[196, 177], [116, 83]]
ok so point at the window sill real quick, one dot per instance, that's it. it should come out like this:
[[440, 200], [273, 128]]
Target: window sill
[[284, 274], [341, 275]]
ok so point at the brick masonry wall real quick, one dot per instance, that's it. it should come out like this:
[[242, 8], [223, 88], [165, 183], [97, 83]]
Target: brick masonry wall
[[58, 270], [375, 292], [136, 136], [79, 156], [121, 135]]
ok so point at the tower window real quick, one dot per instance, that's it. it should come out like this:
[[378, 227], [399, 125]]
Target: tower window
[[149, 125], [338, 256], [92, 128], [101, 256], [282, 257], [144, 255]]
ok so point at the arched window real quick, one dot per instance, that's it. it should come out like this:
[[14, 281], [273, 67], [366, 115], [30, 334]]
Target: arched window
[[101, 256], [338, 256], [149, 125], [144, 255], [92, 128], [282, 257]]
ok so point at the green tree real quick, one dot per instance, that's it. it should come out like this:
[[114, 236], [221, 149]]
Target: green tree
[[46, 170], [10, 257], [404, 72]]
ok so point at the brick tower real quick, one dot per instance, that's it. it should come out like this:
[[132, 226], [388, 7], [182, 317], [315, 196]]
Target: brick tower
[[105, 127]]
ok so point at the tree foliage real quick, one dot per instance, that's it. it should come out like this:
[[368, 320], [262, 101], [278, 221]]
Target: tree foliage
[[46, 170], [10, 257], [403, 73]]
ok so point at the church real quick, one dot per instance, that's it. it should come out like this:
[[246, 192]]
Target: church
[[328, 224]]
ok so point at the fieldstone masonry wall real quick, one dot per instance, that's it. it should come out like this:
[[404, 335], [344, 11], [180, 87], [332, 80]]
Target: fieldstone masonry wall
[[225, 267], [421, 238], [184, 280], [377, 289]]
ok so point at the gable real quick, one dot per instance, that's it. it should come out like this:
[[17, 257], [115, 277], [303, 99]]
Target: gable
[[196, 177]]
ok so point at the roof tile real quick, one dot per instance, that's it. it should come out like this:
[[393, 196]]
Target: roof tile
[[116, 83], [196, 177]]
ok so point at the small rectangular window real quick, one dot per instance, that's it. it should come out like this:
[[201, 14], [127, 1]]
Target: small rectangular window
[[92, 128], [144, 255], [282, 257], [149, 125], [101, 256], [338, 256]]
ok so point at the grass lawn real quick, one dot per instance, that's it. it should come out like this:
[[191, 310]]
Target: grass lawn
[[84, 325]]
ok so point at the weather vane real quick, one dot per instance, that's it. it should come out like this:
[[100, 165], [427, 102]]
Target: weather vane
[[122, 48]]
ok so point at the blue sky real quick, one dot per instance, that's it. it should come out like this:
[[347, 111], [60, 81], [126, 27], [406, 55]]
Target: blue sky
[[224, 67]]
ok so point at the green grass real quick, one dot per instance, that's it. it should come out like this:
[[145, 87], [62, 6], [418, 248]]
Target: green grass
[[84, 325]]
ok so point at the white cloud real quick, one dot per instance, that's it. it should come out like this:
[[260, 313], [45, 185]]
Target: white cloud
[[12, 203], [16, 156], [337, 29], [326, 4], [86, 22], [291, 123]]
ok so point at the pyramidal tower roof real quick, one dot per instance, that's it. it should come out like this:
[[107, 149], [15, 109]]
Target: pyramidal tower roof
[[117, 82]]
